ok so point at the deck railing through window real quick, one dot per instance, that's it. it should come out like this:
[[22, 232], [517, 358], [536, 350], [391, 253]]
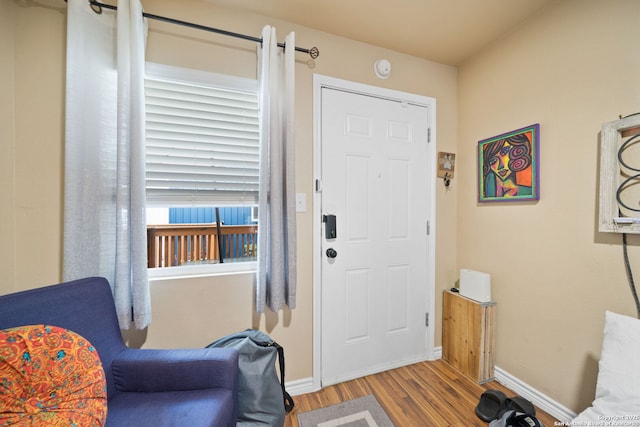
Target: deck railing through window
[[178, 244]]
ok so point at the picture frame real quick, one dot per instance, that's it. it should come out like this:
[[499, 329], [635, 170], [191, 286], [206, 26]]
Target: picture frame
[[509, 165], [446, 165]]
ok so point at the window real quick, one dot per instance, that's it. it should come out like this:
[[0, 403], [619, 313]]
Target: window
[[202, 166]]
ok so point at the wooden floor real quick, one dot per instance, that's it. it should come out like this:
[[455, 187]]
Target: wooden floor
[[425, 394]]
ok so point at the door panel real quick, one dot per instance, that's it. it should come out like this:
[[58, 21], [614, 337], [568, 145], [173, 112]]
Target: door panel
[[357, 198], [375, 164]]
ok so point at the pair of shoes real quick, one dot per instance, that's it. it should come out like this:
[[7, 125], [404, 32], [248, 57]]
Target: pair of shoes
[[494, 404], [512, 418]]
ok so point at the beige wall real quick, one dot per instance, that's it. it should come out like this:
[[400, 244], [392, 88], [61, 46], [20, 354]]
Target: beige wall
[[32, 88], [224, 304], [190, 312], [7, 195], [571, 68]]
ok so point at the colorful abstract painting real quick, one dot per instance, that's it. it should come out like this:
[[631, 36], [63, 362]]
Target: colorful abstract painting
[[508, 166]]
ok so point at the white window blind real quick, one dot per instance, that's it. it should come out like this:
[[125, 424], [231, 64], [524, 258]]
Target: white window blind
[[202, 144]]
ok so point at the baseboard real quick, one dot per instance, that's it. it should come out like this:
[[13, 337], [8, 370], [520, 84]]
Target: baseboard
[[538, 398], [307, 385], [523, 389], [541, 400], [303, 386], [437, 353]]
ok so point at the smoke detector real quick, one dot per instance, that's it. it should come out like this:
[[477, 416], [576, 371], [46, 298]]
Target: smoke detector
[[382, 68]]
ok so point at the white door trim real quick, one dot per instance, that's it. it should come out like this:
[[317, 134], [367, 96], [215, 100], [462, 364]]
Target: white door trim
[[319, 82]]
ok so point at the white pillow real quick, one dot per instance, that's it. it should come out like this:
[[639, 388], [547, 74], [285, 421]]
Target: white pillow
[[619, 370], [617, 391]]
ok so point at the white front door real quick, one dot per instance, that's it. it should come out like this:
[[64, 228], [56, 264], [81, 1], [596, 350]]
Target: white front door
[[377, 271]]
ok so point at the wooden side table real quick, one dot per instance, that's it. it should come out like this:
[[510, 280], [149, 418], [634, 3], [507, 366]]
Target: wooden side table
[[468, 335]]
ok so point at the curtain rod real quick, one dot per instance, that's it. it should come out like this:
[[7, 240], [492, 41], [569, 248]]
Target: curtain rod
[[97, 7]]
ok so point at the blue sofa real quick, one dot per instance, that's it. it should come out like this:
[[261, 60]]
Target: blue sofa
[[145, 387]]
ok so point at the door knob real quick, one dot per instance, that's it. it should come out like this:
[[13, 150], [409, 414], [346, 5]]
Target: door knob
[[331, 253]]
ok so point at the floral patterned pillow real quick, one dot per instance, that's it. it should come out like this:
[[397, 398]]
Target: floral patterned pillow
[[50, 376]]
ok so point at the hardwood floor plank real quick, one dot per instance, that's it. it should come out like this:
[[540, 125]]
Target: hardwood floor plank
[[422, 395]]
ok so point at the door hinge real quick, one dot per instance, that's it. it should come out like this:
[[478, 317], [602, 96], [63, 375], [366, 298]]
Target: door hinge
[[428, 228], [318, 186], [426, 322], [428, 134]]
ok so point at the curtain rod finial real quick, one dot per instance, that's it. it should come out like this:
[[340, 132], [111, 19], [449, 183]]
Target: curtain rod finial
[[95, 6]]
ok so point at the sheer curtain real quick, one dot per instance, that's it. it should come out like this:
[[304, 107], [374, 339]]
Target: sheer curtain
[[276, 278], [104, 218]]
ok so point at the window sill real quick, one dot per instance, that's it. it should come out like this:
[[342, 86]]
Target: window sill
[[201, 270]]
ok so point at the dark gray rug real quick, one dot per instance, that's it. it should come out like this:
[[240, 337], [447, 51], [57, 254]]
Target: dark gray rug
[[361, 412]]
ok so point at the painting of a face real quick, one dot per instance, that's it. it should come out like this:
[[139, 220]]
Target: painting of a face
[[508, 166], [500, 162]]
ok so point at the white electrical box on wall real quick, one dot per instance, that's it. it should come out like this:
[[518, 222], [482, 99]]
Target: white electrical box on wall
[[620, 176]]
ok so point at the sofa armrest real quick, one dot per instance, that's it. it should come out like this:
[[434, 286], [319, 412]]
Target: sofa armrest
[[142, 370]]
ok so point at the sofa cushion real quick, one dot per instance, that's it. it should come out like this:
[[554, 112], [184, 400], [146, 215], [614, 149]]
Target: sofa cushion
[[50, 376], [211, 407], [84, 306]]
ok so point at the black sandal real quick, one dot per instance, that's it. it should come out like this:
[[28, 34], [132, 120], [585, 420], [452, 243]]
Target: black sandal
[[524, 420], [520, 404], [491, 405]]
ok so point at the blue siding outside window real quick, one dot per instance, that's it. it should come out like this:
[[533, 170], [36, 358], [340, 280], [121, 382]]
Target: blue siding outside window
[[200, 215]]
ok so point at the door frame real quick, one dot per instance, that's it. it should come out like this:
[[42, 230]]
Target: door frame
[[320, 82]]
